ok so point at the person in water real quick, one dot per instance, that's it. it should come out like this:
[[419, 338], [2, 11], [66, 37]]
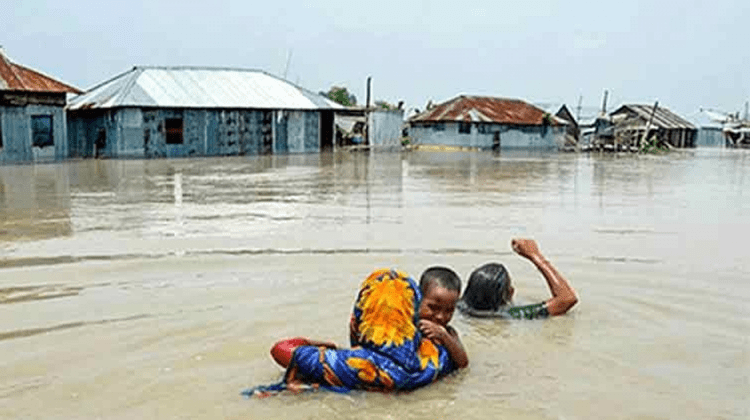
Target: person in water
[[400, 339], [441, 287], [489, 292]]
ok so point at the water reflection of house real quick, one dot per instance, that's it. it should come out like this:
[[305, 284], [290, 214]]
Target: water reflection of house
[[487, 123], [628, 127], [32, 118], [34, 202], [198, 111]]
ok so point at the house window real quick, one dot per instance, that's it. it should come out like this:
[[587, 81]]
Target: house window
[[484, 129], [440, 126], [464, 127], [173, 128], [1, 130], [41, 130]]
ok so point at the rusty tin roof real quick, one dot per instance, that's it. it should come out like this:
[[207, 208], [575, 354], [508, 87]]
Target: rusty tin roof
[[16, 77], [486, 109]]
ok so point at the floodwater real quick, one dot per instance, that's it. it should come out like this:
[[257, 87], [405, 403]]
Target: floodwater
[[154, 289]]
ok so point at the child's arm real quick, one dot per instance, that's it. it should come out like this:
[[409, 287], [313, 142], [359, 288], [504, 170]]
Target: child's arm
[[448, 338], [563, 295]]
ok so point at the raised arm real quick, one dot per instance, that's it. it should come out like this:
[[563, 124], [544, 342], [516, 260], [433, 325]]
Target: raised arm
[[563, 295]]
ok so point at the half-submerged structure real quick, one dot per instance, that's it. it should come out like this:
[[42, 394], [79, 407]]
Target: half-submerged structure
[[487, 123], [632, 127], [32, 116], [157, 112]]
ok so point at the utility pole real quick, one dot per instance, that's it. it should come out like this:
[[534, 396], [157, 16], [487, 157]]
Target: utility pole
[[604, 103], [578, 109], [367, 110], [288, 60]]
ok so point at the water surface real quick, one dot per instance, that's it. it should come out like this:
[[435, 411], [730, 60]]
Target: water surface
[[154, 289]]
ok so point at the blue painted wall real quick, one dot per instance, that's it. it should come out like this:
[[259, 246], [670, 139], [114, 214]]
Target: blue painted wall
[[511, 137], [15, 129], [141, 133]]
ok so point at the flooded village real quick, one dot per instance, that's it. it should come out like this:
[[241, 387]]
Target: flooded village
[[160, 230], [174, 112]]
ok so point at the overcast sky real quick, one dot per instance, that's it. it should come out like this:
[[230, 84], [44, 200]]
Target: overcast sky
[[686, 54]]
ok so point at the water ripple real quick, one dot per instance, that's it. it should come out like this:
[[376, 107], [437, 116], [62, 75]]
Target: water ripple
[[28, 332], [8, 263]]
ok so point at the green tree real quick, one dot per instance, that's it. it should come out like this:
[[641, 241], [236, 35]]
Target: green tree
[[385, 105], [340, 95]]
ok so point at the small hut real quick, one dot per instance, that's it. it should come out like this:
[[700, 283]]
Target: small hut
[[32, 114], [487, 123], [632, 125]]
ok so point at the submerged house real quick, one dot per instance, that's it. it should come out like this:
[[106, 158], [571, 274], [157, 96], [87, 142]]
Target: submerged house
[[156, 112], [32, 117], [487, 123], [630, 122]]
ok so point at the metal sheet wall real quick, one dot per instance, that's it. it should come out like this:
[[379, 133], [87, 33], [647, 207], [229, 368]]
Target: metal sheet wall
[[17, 137], [385, 128], [136, 133], [527, 137]]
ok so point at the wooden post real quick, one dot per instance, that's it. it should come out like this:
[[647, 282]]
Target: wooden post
[[648, 126]]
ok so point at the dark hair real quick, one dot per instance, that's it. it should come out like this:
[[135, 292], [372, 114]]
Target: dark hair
[[442, 276], [488, 288]]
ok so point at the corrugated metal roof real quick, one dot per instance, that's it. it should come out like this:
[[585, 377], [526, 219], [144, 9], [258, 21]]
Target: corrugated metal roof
[[663, 117], [16, 77], [486, 109], [199, 87]]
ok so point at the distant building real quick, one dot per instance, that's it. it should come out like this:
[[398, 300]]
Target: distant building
[[629, 122], [32, 117], [156, 112], [375, 127], [487, 123], [572, 130], [710, 136]]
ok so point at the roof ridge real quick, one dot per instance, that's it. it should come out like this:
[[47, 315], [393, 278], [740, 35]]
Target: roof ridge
[[222, 68], [191, 67], [502, 98], [110, 80]]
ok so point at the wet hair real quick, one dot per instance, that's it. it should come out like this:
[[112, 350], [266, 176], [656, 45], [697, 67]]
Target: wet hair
[[441, 276], [488, 288]]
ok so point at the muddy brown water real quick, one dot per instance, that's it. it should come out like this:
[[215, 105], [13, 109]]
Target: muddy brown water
[[154, 289]]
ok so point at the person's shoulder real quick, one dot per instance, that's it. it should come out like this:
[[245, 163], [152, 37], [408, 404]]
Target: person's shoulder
[[533, 311]]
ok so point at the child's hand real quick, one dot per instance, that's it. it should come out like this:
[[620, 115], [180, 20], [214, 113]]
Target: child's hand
[[525, 247], [433, 331]]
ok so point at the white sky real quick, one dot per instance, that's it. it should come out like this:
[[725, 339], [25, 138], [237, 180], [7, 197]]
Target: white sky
[[686, 54]]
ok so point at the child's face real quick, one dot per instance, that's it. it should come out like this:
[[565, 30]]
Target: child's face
[[438, 304]]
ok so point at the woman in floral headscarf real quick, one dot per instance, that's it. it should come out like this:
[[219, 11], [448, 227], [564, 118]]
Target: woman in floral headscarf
[[388, 350]]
